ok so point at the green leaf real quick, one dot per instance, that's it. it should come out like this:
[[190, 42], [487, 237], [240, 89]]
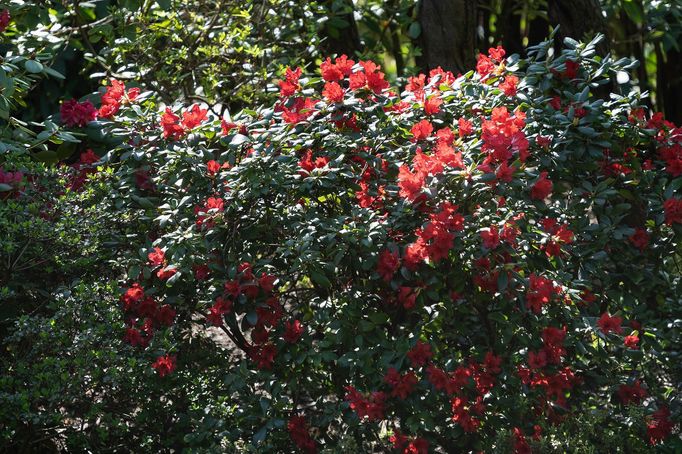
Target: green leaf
[[414, 30], [51, 72], [320, 279], [33, 66]]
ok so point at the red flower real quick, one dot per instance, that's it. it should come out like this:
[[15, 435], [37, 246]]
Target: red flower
[[266, 282], [165, 315], [491, 237], [631, 393], [307, 163], [571, 71], [333, 92], [164, 365], [420, 354], [371, 407], [484, 66], [212, 167], [608, 324], [407, 297], [542, 188], [219, 308], [508, 87], [537, 360], [465, 127], [330, 72], [156, 257], [504, 173], [344, 65], [290, 85], [659, 425], [673, 211], [300, 434], [4, 20], [132, 296], [631, 342], [521, 445], [492, 363], [422, 130], [114, 96], [416, 84], [410, 184], [402, 384], [540, 292], [263, 355], [293, 331], [389, 262], [171, 125], [497, 53], [74, 113], [298, 111], [432, 105], [193, 117], [543, 141], [441, 76], [166, 273]]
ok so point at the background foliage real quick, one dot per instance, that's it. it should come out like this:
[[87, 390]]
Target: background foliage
[[77, 229]]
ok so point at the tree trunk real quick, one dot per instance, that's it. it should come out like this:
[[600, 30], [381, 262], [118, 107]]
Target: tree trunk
[[341, 31], [538, 30], [578, 18], [669, 86], [448, 35]]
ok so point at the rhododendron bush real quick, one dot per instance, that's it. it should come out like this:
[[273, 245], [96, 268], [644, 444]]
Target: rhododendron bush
[[483, 262]]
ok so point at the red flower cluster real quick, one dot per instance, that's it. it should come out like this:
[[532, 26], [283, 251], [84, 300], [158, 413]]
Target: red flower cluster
[[436, 239], [639, 239], [12, 179], [659, 426], [609, 324], [157, 258], [143, 309], [74, 113], [540, 293], [402, 385], [209, 212], [164, 365], [406, 445], [370, 78], [493, 63], [629, 394], [503, 136], [176, 129], [370, 407], [542, 188], [673, 211], [558, 235], [5, 18], [300, 434], [114, 97], [307, 163], [420, 354]]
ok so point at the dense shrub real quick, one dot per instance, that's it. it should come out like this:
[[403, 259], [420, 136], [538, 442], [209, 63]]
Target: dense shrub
[[486, 261]]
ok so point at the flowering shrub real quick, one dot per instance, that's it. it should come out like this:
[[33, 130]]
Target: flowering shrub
[[483, 261]]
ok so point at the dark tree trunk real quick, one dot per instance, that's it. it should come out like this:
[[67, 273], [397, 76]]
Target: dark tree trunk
[[448, 37], [669, 86], [538, 30], [341, 31], [578, 19], [509, 29]]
